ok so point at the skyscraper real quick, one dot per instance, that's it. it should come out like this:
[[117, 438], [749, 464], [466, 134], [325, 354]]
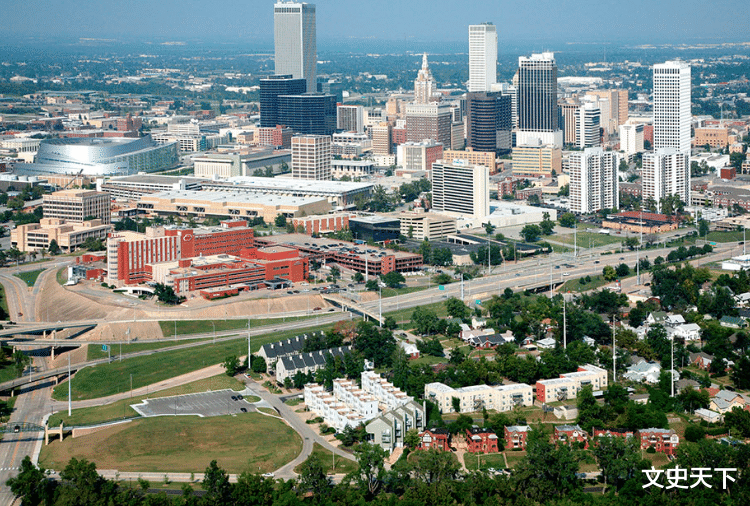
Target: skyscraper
[[666, 171], [672, 106], [429, 121], [311, 157], [537, 100], [594, 183], [588, 119], [295, 41], [424, 84], [482, 57], [488, 122], [271, 88], [460, 188], [350, 118]]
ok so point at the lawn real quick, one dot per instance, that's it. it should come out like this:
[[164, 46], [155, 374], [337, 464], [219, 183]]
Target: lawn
[[189, 327], [657, 459], [121, 409], [4, 302], [514, 458], [584, 238], [405, 314], [29, 277], [576, 285], [429, 360], [490, 460], [294, 402], [560, 249], [392, 292], [248, 442], [343, 466], [95, 352], [109, 379], [734, 236], [62, 276]]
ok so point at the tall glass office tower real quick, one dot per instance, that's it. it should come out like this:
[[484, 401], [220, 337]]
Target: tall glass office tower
[[295, 41]]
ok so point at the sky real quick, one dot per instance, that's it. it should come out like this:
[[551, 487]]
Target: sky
[[251, 21]]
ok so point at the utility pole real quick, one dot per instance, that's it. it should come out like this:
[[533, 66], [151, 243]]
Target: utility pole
[[462, 286], [614, 352], [671, 373], [70, 380], [565, 327], [575, 240], [248, 344], [380, 304], [489, 262]]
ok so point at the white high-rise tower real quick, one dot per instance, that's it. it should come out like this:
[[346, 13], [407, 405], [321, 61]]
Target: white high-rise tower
[[672, 106], [482, 57], [295, 41], [666, 171]]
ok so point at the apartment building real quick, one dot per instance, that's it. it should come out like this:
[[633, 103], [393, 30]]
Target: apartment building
[[474, 398]]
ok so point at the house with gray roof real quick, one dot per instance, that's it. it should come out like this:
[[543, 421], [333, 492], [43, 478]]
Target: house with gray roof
[[289, 365], [388, 430]]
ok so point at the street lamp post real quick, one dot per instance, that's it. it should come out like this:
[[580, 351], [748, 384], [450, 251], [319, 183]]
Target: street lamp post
[[70, 380]]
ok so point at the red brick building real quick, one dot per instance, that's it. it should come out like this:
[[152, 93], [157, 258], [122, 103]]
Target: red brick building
[[279, 262], [662, 440], [398, 136], [322, 224], [279, 136], [609, 433], [568, 434], [648, 133], [516, 436], [481, 440], [728, 173], [434, 438]]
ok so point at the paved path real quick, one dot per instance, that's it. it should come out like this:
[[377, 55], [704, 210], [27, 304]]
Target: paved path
[[309, 436]]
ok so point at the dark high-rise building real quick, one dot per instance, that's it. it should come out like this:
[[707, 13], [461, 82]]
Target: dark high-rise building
[[308, 113], [270, 90], [538, 115], [329, 87], [488, 122]]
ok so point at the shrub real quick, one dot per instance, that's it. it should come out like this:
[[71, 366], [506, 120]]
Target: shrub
[[650, 449]]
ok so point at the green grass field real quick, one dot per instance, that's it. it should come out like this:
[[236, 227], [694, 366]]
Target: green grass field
[[121, 409], [62, 276], [575, 285], [189, 327], [4, 302], [114, 377], [29, 277], [490, 460], [734, 236], [392, 292], [247, 442], [584, 238], [95, 352], [343, 466], [405, 314]]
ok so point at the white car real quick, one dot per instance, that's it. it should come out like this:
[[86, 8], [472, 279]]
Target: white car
[[566, 274]]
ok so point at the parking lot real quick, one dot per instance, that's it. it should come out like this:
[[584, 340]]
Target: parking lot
[[202, 404]]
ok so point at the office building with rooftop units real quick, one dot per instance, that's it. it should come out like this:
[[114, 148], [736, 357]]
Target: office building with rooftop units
[[472, 157], [429, 121], [308, 113], [482, 57], [311, 157], [69, 236], [421, 226], [350, 118], [419, 156], [375, 228], [128, 253], [134, 187], [538, 116], [488, 122], [101, 156], [340, 194], [370, 260], [226, 204], [459, 188], [78, 205], [241, 162]]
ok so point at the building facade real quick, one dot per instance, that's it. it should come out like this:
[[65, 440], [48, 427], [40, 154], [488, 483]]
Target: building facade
[[666, 172], [488, 122], [460, 188], [594, 182], [536, 159], [537, 99], [482, 57], [631, 138], [311, 157], [475, 398], [672, 114], [78, 205], [588, 126], [295, 41], [69, 236], [428, 121]]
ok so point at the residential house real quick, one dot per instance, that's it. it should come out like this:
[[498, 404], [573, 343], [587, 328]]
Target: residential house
[[435, 438], [732, 322], [481, 440], [516, 436], [274, 351], [674, 320], [742, 299], [603, 433], [687, 332], [411, 350], [708, 415], [467, 333], [568, 385], [643, 371], [724, 401], [656, 318], [288, 366], [568, 434], [701, 360], [337, 412], [589, 341], [547, 343], [388, 430], [662, 440], [487, 342]]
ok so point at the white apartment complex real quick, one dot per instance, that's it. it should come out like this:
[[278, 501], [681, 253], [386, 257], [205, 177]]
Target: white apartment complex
[[672, 106], [568, 385], [594, 183], [336, 413], [631, 138], [666, 171], [588, 123], [474, 398], [388, 395], [482, 57]]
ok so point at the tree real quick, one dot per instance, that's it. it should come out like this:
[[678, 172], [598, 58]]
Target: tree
[[456, 308], [372, 285], [280, 221], [547, 225], [312, 477], [694, 433], [622, 270], [489, 228], [435, 466], [425, 320], [165, 293], [31, 484], [567, 220], [370, 468], [741, 373], [393, 279], [20, 362], [703, 228], [259, 364], [54, 248], [216, 484], [358, 277], [232, 365], [531, 233], [335, 273], [618, 458], [609, 273], [548, 472], [442, 257]]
